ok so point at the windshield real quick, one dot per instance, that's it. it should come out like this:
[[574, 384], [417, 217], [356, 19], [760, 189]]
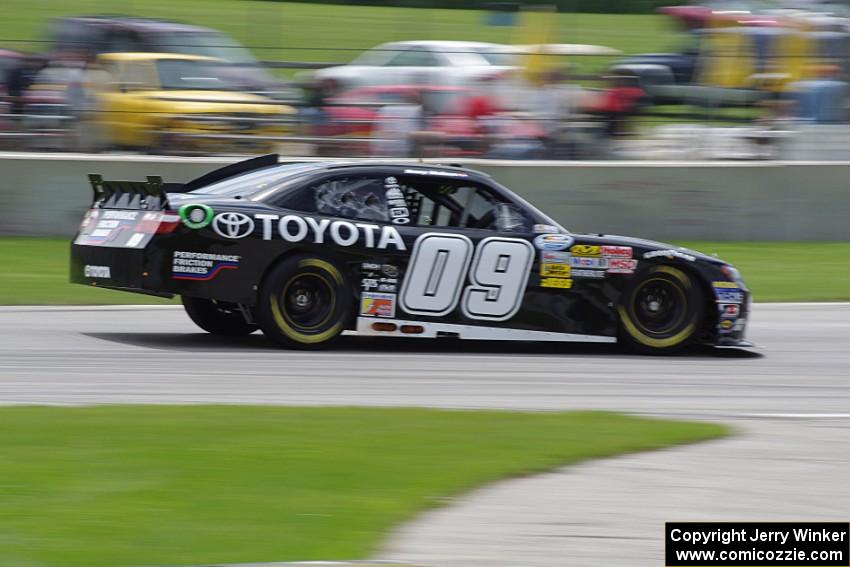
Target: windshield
[[500, 58], [208, 44], [191, 74], [378, 55], [263, 180]]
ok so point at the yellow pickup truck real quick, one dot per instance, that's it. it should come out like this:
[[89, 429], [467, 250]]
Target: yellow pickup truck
[[168, 102]]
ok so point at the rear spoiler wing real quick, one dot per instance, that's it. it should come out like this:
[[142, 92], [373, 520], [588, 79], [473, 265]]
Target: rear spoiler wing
[[152, 194], [147, 195]]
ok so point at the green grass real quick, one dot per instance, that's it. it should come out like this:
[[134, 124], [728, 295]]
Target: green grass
[[36, 272], [788, 271], [165, 485], [306, 32]]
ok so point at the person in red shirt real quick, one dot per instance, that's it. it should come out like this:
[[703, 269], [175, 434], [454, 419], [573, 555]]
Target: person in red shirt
[[616, 104]]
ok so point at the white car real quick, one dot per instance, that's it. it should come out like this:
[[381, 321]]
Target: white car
[[459, 63]]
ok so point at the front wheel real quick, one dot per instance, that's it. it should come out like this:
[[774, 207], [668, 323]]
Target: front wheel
[[661, 311], [305, 302], [217, 317]]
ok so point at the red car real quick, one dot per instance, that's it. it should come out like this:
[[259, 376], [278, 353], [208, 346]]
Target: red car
[[354, 113]]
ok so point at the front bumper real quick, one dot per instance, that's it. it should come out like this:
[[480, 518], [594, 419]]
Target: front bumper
[[733, 311]]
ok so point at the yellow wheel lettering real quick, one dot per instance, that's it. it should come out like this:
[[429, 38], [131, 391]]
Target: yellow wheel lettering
[[322, 265], [678, 274]]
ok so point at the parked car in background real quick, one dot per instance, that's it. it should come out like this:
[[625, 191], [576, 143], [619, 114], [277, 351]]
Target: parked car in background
[[166, 101], [424, 62], [83, 36]]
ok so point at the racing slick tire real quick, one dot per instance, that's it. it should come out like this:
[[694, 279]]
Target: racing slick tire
[[661, 311], [304, 303], [217, 317]]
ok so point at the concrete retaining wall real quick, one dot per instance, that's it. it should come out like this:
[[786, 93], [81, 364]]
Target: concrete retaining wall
[[42, 194]]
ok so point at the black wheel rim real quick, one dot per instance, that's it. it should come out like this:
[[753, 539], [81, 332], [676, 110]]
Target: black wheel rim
[[659, 306], [307, 301]]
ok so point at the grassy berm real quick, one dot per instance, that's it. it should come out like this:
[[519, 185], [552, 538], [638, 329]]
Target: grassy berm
[[170, 485], [35, 271]]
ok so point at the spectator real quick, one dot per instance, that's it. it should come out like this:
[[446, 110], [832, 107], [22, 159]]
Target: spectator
[[84, 103], [619, 102], [821, 99], [399, 128], [20, 78]]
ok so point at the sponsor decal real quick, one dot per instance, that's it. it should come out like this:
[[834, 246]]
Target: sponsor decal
[[435, 172], [91, 271], [295, 228], [729, 310], [622, 266], [550, 257], [739, 325], [726, 326], [725, 285], [196, 216], [539, 228], [555, 270], [380, 277], [377, 304], [201, 266], [588, 262], [581, 273], [586, 250], [390, 270], [728, 295], [120, 215], [233, 225], [397, 206], [561, 283], [552, 241], [135, 240], [670, 254], [617, 251]]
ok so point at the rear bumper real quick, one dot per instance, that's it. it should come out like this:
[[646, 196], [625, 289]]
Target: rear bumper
[[113, 268]]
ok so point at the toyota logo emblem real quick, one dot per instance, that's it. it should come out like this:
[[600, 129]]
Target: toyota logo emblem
[[233, 225]]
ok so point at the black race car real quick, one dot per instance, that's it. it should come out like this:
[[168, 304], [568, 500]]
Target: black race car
[[306, 251]]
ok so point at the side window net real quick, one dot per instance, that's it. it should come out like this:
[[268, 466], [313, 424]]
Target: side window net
[[354, 198]]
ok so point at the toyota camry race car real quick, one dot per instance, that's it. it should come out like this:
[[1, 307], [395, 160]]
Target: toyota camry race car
[[306, 251]]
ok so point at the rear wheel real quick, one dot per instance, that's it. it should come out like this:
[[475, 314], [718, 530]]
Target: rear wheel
[[304, 303], [661, 311], [217, 317]]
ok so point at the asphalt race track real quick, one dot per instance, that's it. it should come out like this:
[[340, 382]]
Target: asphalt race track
[[789, 400], [130, 355]]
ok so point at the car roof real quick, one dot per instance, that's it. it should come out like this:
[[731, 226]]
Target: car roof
[[448, 44], [143, 56], [139, 23], [406, 88], [388, 164]]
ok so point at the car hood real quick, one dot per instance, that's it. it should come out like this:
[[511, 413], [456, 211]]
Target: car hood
[[643, 244], [218, 101]]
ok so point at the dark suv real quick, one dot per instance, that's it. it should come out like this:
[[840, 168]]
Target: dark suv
[[83, 36]]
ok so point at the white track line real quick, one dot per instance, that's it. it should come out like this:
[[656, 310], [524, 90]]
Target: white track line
[[27, 308]]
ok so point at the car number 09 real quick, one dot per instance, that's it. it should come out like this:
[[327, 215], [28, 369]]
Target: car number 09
[[440, 263]]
